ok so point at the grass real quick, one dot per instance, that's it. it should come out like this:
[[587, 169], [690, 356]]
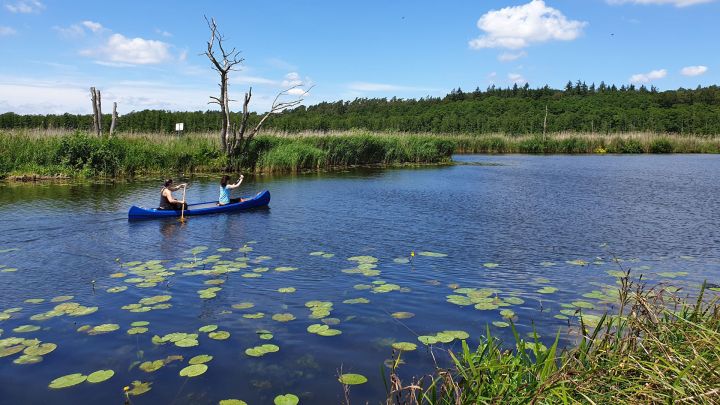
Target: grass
[[657, 348], [56, 153]]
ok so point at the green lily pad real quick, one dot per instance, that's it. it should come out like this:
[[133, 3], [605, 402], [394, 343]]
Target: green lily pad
[[231, 401], [243, 305], [457, 334], [140, 323], [485, 306], [490, 265], [26, 329], [514, 300], [402, 315], [257, 315], [357, 301], [352, 379], [219, 335], [583, 304], [200, 359], [501, 324], [285, 317], [401, 260], [40, 350], [9, 351], [404, 346], [67, 381], [432, 254], [28, 359], [547, 290], [193, 370], [427, 340], [100, 376], [577, 262], [261, 350], [285, 269], [208, 328], [561, 317], [139, 388], [137, 330], [287, 399], [34, 301], [507, 313], [150, 366]]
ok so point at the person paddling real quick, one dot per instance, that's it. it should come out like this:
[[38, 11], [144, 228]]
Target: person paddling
[[167, 201], [225, 188]]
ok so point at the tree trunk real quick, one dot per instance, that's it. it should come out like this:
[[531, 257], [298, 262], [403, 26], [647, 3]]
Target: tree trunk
[[93, 98], [99, 113], [114, 119]]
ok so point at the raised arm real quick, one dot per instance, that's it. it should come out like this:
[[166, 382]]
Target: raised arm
[[236, 185]]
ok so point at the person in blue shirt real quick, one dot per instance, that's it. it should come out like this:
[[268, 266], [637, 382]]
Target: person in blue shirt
[[225, 190]]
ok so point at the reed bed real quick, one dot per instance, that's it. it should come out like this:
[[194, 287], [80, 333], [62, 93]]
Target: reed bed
[[657, 348]]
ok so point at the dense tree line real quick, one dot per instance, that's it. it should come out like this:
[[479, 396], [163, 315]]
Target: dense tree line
[[578, 107]]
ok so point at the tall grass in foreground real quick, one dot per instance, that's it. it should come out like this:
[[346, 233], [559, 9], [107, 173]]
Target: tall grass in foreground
[[656, 349]]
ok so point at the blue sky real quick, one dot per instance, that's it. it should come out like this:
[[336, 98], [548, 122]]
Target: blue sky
[[148, 54]]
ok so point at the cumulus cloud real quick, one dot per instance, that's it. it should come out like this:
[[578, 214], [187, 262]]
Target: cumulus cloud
[[676, 3], [693, 70], [25, 6], [92, 25], [510, 56], [648, 77], [132, 51], [516, 78], [520, 26], [7, 31]]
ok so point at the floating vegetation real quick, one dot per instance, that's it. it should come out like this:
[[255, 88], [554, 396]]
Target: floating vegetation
[[669, 274], [137, 330], [210, 293], [319, 309], [284, 317], [362, 286], [28, 359], [34, 301], [357, 301], [577, 262], [286, 290], [547, 264], [507, 313], [40, 349], [404, 346], [287, 399], [118, 289], [285, 269], [352, 379], [583, 304], [264, 334], [432, 254], [139, 388], [402, 315], [26, 329], [207, 328], [219, 335], [490, 265], [261, 350], [180, 339], [67, 381], [401, 260], [193, 370], [547, 290], [323, 330], [257, 315], [386, 288], [446, 336], [501, 324], [100, 376], [151, 366], [232, 401], [243, 305]]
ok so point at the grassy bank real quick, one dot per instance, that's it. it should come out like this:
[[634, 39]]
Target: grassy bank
[[78, 154], [657, 348]]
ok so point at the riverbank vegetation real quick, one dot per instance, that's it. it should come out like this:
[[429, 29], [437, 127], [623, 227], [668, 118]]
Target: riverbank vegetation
[[578, 108], [78, 154], [656, 348]]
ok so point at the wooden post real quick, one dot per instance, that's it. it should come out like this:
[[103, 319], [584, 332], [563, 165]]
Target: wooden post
[[93, 98], [545, 123], [114, 119], [99, 113]]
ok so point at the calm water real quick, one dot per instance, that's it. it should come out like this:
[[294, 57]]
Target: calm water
[[510, 228]]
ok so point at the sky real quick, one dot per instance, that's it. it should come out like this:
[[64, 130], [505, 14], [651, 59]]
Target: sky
[[149, 54]]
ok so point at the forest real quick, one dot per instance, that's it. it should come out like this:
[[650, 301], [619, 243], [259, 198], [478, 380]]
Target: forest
[[516, 110]]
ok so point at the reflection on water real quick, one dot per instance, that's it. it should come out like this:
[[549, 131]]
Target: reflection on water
[[533, 235]]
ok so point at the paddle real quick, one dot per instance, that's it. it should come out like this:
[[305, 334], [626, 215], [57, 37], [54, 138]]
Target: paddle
[[182, 212]]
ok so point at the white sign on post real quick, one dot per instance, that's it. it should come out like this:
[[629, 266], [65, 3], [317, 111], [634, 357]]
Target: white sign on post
[[179, 126]]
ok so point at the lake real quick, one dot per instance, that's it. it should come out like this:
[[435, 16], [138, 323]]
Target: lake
[[326, 278]]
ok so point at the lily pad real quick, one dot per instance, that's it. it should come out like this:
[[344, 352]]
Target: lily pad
[[402, 315], [28, 359], [352, 379], [219, 335], [432, 254], [287, 290], [208, 328], [193, 370], [404, 346], [284, 317], [41, 349], [285, 269], [67, 381], [287, 399], [257, 315], [100, 376], [357, 301], [26, 329], [501, 324], [150, 366], [139, 388], [200, 359], [547, 290], [243, 305], [490, 265], [231, 401]]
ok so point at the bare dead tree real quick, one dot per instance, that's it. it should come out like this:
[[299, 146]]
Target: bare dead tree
[[93, 97], [114, 119], [234, 139]]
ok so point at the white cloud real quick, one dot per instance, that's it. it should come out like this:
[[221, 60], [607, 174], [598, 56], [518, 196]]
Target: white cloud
[[509, 56], [25, 6], [163, 33], [133, 51], [7, 31], [516, 78], [648, 77], [520, 26], [292, 79], [73, 31], [92, 26], [676, 3], [693, 70]]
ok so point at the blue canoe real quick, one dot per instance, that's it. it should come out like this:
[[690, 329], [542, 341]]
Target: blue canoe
[[261, 199]]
